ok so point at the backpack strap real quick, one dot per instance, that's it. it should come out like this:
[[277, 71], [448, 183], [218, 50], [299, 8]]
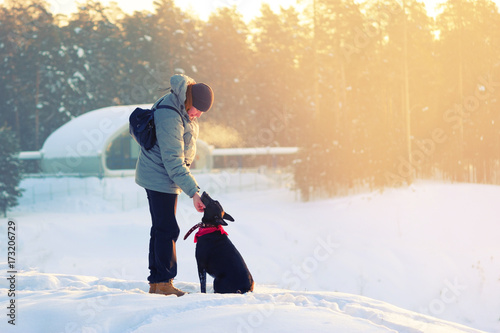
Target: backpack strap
[[158, 106], [167, 107]]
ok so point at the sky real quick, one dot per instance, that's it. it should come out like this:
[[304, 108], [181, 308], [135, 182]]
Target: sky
[[203, 8]]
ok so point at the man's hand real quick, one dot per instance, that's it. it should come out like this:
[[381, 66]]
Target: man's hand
[[198, 204]]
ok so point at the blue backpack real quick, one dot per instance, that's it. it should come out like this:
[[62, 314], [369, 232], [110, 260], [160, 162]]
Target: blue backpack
[[142, 125]]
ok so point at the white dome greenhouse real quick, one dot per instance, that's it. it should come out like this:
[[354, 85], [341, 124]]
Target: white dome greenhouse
[[98, 143]]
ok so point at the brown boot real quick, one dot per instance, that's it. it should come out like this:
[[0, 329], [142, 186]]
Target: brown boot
[[167, 288], [152, 288]]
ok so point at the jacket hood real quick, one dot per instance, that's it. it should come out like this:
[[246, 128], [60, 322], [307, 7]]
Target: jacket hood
[[178, 84]]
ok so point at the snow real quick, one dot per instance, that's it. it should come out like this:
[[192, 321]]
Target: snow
[[79, 75], [418, 259]]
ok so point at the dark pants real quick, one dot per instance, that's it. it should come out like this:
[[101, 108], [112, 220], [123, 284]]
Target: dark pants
[[164, 234]]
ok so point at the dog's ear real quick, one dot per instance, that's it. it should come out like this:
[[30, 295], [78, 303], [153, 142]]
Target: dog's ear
[[223, 214], [228, 217]]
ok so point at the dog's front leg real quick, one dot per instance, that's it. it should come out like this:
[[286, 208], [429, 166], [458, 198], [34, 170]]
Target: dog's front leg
[[203, 280]]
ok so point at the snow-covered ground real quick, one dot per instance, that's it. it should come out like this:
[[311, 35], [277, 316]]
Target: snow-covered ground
[[418, 259]]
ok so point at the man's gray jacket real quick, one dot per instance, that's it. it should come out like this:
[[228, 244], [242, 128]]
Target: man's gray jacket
[[165, 167]]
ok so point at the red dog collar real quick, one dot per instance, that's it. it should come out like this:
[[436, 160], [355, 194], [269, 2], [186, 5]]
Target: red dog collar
[[209, 230], [204, 229]]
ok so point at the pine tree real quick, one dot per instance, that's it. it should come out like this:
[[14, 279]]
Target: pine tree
[[280, 43], [93, 59], [225, 63], [468, 51], [141, 81], [10, 173], [31, 81]]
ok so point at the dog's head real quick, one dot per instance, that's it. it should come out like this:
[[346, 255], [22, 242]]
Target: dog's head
[[214, 213]]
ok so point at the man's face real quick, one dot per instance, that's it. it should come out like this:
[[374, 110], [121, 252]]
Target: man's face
[[194, 113]]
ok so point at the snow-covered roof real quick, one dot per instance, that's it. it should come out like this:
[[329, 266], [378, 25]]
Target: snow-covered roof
[[89, 134]]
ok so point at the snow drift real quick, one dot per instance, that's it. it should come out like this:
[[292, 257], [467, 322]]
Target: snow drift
[[418, 259]]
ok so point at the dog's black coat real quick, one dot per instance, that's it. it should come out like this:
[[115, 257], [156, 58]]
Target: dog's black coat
[[217, 256]]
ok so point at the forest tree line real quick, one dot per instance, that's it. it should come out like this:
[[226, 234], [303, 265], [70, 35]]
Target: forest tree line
[[375, 94]]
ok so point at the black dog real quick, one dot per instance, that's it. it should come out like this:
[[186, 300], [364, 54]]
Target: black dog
[[216, 254]]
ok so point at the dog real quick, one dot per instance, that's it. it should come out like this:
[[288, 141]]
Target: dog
[[216, 254]]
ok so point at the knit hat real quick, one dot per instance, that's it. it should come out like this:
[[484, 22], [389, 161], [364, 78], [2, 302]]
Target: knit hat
[[203, 96]]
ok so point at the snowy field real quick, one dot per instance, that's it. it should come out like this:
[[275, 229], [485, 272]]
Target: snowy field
[[418, 259]]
